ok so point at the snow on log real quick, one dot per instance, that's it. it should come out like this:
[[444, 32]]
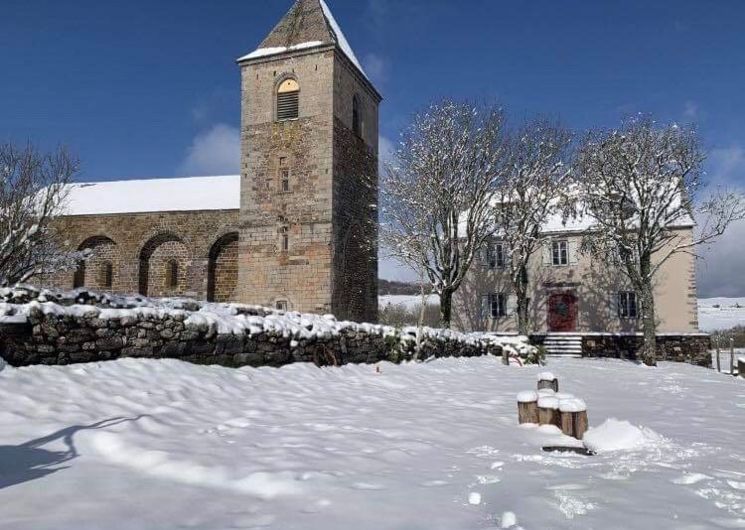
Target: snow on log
[[527, 407], [573, 417], [548, 411]]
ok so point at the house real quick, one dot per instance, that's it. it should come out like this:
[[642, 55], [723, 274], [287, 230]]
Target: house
[[577, 303]]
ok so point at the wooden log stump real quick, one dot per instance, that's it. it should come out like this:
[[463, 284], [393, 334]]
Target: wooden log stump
[[548, 380], [548, 411], [573, 417], [527, 407]]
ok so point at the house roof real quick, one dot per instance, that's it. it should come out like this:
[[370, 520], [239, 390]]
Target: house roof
[[154, 195], [308, 24]]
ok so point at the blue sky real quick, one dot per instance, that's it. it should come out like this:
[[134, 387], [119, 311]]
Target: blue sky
[[143, 88]]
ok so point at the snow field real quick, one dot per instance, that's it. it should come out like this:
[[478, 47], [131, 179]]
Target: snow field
[[135, 444]]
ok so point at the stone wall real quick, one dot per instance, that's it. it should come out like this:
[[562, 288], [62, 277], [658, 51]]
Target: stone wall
[[52, 334], [141, 249], [688, 348]]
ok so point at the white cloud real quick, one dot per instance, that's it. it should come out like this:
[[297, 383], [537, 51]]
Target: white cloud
[[376, 67], [690, 110], [216, 151], [720, 269], [726, 165], [390, 269], [386, 150]]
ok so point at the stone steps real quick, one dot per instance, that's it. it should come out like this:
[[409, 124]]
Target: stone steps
[[563, 344]]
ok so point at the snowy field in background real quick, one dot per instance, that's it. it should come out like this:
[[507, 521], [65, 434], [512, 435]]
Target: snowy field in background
[[711, 318], [406, 300], [730, 313], [138, 444]]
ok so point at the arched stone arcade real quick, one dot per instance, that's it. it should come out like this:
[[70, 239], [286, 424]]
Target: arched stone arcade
[[100, 271], [164, 266], [222, 269]]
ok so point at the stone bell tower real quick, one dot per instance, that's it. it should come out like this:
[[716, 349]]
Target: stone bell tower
[[309, 171]]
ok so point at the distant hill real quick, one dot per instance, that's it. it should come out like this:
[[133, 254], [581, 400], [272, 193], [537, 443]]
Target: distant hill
[[388, 287]]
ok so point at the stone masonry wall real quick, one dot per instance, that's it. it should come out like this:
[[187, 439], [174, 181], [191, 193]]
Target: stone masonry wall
[[301, 275], [139, 247], [355, 197], [692, 348], [50, 336]]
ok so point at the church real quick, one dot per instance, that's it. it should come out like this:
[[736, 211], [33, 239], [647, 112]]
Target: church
[[296, 230]]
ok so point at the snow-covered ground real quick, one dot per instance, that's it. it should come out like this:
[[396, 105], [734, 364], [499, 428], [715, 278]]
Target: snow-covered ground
[[721, 313], [136, 444], [406, 300], [729, 313]]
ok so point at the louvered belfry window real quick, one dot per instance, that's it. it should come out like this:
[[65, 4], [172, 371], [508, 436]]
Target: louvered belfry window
[[288, 100]]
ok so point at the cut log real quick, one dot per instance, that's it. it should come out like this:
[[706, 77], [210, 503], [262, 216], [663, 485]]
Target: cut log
[[527, 407], [548, 380], [573, 417], [548, 411]]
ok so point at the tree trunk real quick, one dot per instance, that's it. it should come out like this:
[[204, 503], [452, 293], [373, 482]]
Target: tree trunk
[[446, 307], [649, 326], [521, 292]]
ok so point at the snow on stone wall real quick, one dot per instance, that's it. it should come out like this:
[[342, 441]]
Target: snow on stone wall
[[45, 327]]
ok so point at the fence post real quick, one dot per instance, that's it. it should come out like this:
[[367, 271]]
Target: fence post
[[732, 356], [719, 365]]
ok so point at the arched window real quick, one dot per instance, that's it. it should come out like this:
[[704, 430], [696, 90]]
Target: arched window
[[171, 275], [78, 279], [288, 100], [356, 119], [106, 279]]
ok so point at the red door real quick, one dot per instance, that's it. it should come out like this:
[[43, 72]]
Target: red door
[[562, 312]]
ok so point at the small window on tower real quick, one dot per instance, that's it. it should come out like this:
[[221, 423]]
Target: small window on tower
[[281, 305], [284, 239], [288, 100], [284, 175]]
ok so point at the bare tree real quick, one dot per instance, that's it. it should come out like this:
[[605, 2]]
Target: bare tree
[[640, 186], [533, 188], [436, 193], [33, 188]]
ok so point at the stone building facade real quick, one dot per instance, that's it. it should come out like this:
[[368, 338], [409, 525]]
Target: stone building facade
[[297, 229], [570, 292]]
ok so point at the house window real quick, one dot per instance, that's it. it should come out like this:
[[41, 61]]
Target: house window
[[284, 239], [494, 305], [284, 175], [172, 274], [495, 256], [627, 305], [281, 305], [288, 100], [107, 275], [356, 121], [560, 253]]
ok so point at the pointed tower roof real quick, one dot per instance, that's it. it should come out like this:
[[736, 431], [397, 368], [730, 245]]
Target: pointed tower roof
[[308, 24]]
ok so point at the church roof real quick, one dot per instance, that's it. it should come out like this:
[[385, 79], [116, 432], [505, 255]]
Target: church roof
[[154, 195], [308, 24]]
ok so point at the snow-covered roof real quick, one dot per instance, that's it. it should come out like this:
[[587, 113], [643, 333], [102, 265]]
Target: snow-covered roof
[[341, 39], [276, 50], [309, 24], [154, 195]]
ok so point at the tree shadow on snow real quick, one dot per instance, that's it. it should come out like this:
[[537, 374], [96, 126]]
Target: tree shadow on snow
[[28, 461]]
